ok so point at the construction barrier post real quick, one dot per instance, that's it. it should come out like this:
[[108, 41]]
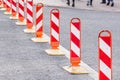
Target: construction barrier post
[[21, 13], [30, 28], [8, 10], [39, 24], [105, 55], [14, 10], [4, 5], [54, 33], [75, 48]]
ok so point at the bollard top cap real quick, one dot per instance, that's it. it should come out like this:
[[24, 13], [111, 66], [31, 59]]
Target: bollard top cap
[[105, 33], [40, 5], [75, 20], [55, 11]]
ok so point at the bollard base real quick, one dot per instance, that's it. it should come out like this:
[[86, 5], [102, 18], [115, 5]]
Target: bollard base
[[13, 17], [7, 13], [21, 23], [29, 30], [39, 39], [75, 70], [2, 9], [55, 52]]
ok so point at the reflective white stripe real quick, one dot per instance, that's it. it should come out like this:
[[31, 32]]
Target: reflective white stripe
[[105, 48], [21, 2], [30, 18], [5, 1], [14, 1], [8, 3], [55, 20], [29, 0], [21, 12], [29, 7], [55, 34], [105, 69], [13, 7], [39, 13], [39, 25], [75, 49], [75, 31]]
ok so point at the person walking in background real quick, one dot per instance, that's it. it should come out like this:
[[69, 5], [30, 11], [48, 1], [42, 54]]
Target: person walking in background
[[110, 1], [89, 2], [73, 3], [103, 2]]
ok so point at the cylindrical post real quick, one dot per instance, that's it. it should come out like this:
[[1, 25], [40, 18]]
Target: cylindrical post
[[39, 20], [40, 37], [21, 13], [29, 14], [75, 42], [8, 2], [21, 10], [75, 48], [54, 28], [105, 55], [14, 13], [55, 34], [4, 5]]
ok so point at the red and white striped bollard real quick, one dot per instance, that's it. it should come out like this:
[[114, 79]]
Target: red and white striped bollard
[[14, 10], [75, 42], [30, 28], [105, 55], [55, 29], [75, 48], [55, 34], [4, 5], [8, 10], [39, 24], [21, 13]]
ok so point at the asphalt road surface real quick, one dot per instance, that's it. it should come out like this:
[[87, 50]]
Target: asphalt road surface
[[22, 59]]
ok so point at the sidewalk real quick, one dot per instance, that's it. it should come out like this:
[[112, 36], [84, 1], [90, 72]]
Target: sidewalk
[[81, 4]]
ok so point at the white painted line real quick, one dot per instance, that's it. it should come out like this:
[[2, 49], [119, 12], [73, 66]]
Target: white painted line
[[92, 72]]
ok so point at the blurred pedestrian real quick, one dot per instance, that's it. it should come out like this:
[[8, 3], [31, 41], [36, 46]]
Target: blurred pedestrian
[[73, 3], [110, 1], [103, 2], [89, 2]]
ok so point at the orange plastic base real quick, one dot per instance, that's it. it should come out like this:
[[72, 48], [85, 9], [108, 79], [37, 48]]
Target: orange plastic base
[[75, 61], [23, 23], [39, 34], [29, 25], [8, 11], [54, 45], [14, 13]]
